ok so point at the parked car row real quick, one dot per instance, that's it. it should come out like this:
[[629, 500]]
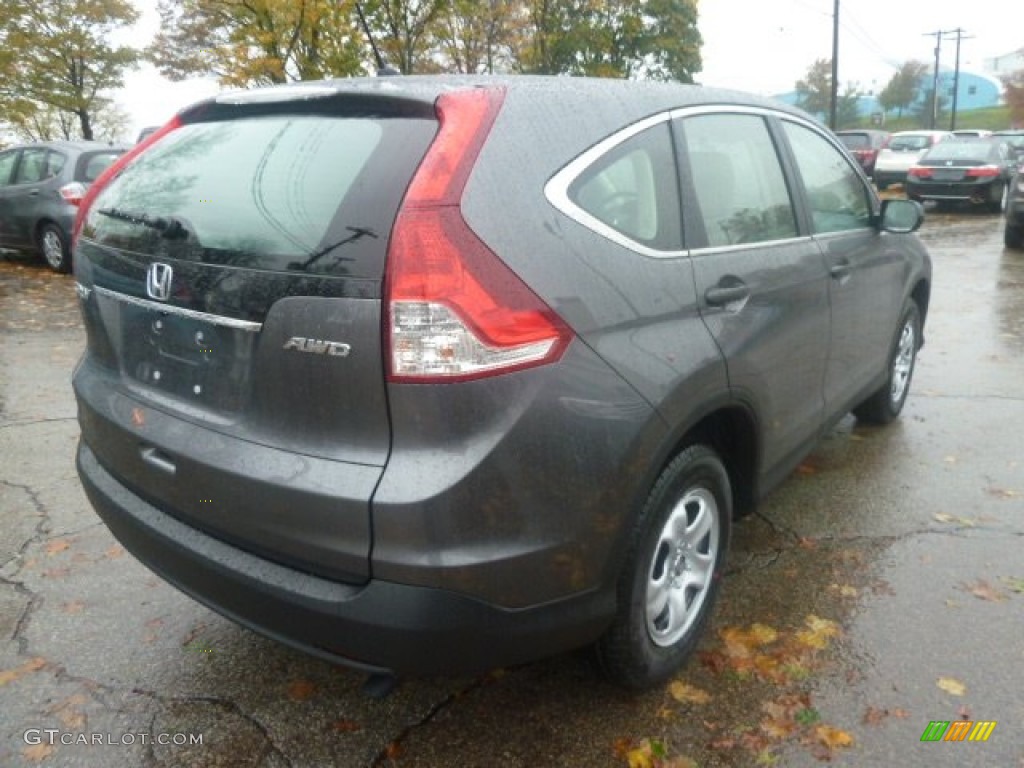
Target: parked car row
[[978, 171], [41, 186]]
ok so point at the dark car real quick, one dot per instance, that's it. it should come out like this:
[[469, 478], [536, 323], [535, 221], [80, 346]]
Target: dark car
[[1013, 235], [1014, 139], [864, 145], [426, 375], [972, 170], [41, 186]]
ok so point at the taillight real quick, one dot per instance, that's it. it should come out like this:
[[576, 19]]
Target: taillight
[[919, 172], [112, 170], [982, 172], [73, 192], [455, 311]]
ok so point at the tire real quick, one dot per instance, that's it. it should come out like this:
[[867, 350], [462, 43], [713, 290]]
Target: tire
[[674, 565], [53, 245], [1013, 237], [998, 205], [885, 404]]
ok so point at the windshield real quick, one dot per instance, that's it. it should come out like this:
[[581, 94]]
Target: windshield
[[855, 140]]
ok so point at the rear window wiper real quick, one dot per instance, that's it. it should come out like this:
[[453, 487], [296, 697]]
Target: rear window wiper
[[170, 227]]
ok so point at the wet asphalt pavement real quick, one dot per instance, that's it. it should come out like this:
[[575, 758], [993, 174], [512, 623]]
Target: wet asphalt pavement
[[879, 589]]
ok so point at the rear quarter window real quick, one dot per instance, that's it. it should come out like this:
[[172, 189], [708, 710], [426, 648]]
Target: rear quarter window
[[92, 164], [633, 189]]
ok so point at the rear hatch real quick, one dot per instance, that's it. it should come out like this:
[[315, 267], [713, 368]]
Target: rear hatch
[[231, 277]]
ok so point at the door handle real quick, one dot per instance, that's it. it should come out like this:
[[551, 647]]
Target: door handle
[[721, 295], [159, 460], [841, 271], [34, 193]]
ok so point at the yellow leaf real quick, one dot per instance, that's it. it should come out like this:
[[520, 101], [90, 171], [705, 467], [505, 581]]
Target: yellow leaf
[[952, 686], [640, 757], [55, 546], [763, 634], [818, 633], [687, 694], [833, 737]]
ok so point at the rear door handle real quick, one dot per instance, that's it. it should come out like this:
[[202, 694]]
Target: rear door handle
[[720, 295]]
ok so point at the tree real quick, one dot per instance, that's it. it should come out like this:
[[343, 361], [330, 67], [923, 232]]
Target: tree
[[848, 107], [1013, 85], [923, 108], [257, 42], [656, 39], [903, 87], [814, 92], [57, 59], [477, 36]]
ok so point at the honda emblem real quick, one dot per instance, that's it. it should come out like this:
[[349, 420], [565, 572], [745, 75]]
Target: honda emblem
[[158, 281]]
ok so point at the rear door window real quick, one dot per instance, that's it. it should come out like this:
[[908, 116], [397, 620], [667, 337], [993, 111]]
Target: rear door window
[[7, 162], [32, 168], [741, 192]]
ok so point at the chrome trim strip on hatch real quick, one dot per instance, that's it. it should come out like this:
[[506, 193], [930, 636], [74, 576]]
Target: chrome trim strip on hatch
[[166, 309]]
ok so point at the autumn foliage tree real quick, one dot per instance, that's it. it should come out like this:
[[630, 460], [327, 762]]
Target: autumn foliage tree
[[814, 90], [57, 62], [1013, 85], [251, 42]]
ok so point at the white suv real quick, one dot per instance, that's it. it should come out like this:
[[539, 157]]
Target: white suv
[[903, 150]]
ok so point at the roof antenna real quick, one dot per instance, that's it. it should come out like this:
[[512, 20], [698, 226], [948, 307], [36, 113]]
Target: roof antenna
[[383, 68]]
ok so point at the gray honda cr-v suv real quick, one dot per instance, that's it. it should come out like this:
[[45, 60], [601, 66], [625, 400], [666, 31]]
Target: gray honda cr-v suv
[[426, 375]]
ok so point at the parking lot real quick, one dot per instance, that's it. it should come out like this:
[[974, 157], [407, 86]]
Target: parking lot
[[879, 589]]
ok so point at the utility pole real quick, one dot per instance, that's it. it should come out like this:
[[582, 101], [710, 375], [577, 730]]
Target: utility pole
[[956, 73], [935, 79], [833, 116]]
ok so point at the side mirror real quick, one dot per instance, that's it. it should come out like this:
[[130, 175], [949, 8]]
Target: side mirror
[[901, 217]]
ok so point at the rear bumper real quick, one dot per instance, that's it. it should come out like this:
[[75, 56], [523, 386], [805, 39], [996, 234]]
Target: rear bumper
[[379, 626], [978, 191]]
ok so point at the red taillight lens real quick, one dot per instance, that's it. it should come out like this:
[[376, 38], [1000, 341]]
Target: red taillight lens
[[115, 168], [455, 310], [73, 192], [982, 172], [919, 172]]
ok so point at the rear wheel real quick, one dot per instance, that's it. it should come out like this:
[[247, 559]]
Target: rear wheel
[[672, 571], [54, 247], [885, 404], [997, 201]]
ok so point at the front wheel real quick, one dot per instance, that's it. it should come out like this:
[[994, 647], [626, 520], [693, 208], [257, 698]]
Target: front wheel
[[997, 203], [672, 571], [54, 247], [885, 404]]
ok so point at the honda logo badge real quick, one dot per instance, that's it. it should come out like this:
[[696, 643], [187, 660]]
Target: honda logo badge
[[158, 281]]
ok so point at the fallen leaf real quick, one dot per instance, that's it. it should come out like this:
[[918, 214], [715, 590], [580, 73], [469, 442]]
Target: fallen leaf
[[346, 726], [982, 590], [393, 751], [952, 686], [1001, 493], [301, 690], [32, 665], [687, 694], [818, 633], [114, 552], [806, 469], [56, 545], [37, 752], [69, 713], [844, 590], [900, 713], [75, 606], [805, 542], [833, 737]]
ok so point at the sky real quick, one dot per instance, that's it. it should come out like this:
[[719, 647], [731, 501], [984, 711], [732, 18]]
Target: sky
[[763, 46]]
